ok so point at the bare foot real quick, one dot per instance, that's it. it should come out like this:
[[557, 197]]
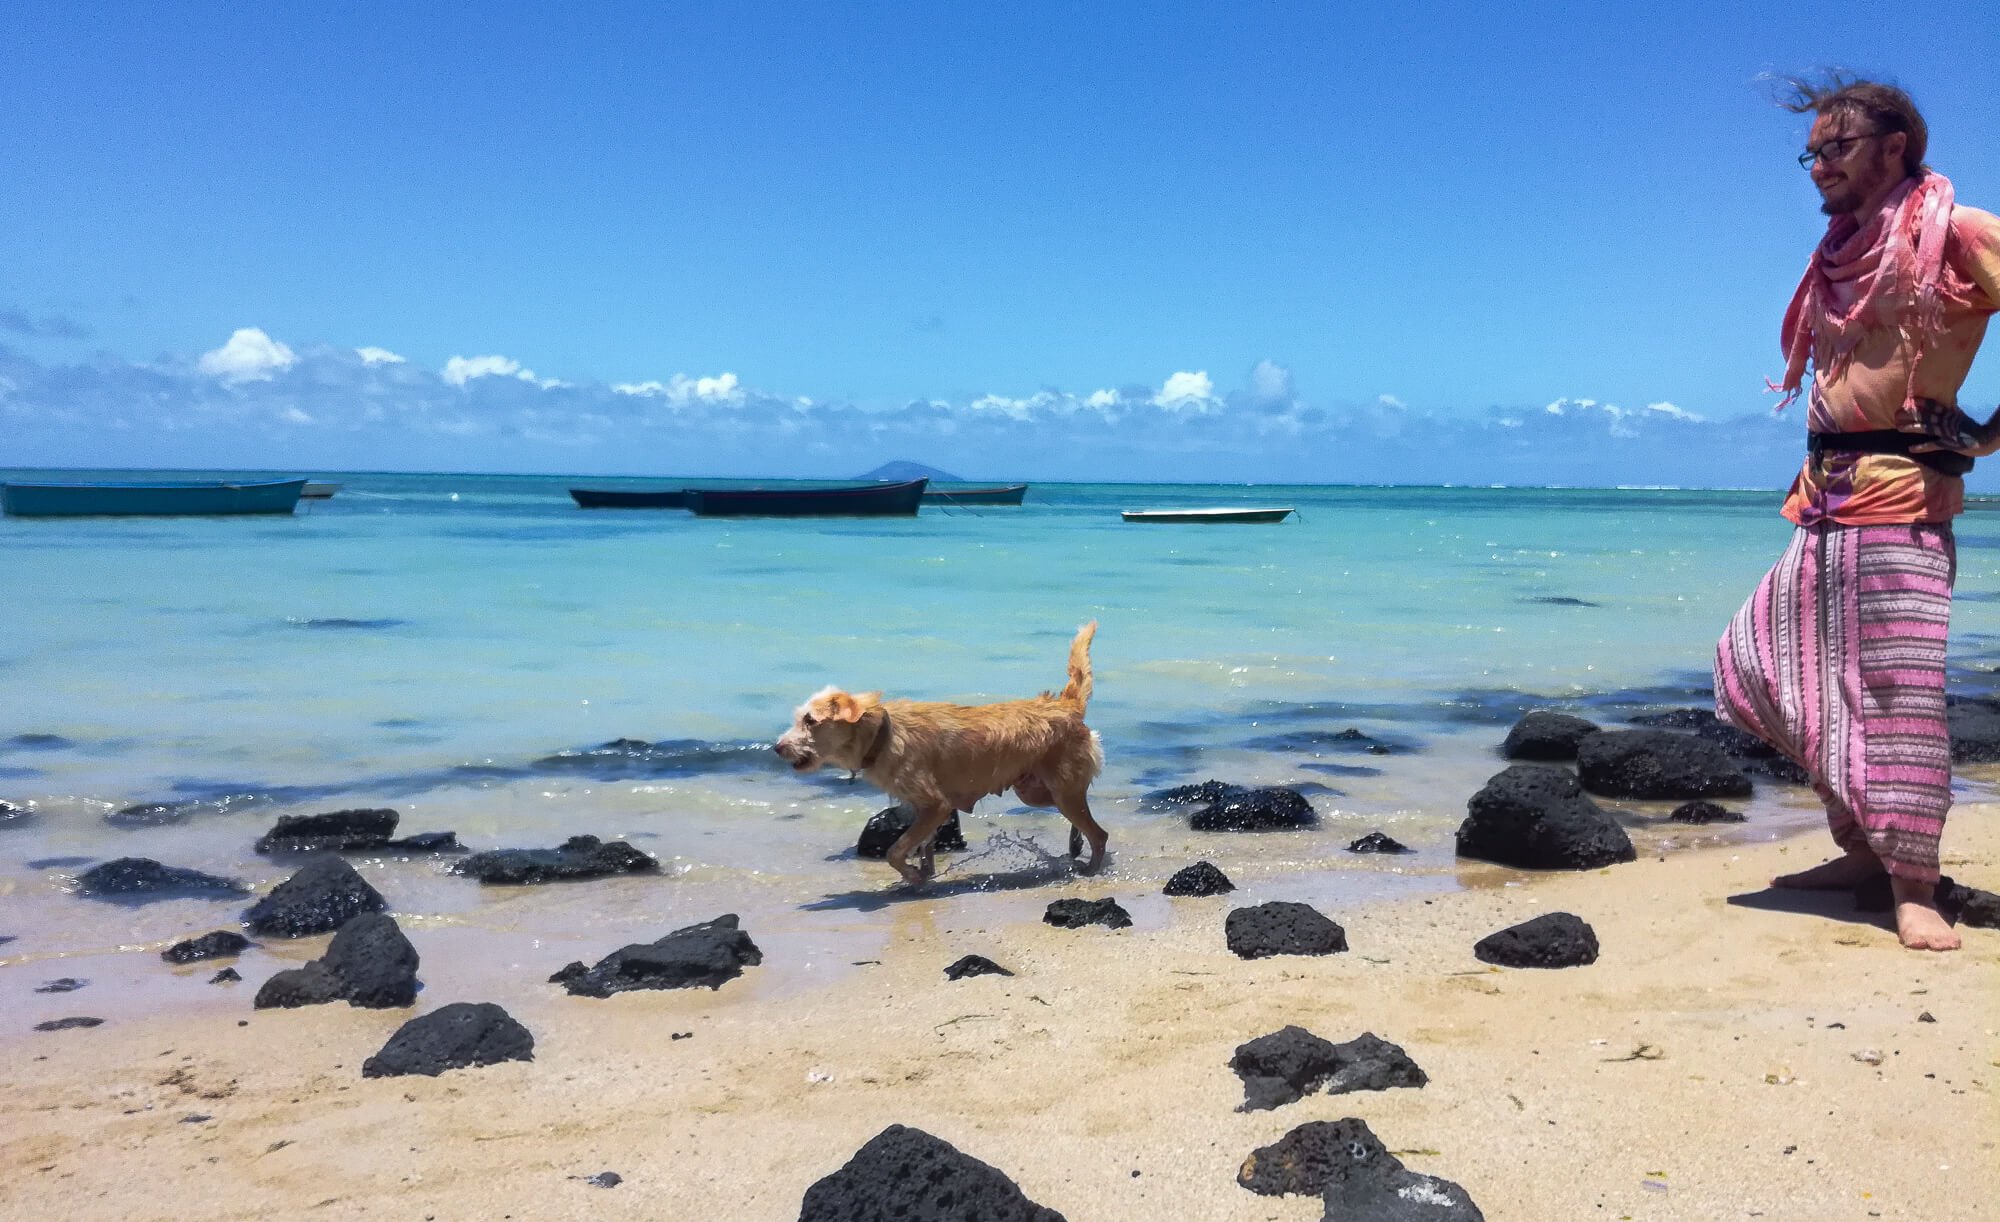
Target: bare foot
[[1840, 874], [1919, 924]]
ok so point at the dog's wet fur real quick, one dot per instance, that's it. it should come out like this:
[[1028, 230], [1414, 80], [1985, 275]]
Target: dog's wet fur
[[938, 758]]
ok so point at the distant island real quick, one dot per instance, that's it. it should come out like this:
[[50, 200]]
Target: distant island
[[902, 469]]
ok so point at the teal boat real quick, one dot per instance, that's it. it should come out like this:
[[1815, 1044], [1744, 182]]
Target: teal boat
[[177, 498]]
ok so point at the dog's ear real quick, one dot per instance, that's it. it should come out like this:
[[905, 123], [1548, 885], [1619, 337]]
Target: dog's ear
[[843, 707]]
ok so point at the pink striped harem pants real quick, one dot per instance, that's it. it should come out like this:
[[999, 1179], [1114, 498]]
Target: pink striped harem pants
[[1838, 662]]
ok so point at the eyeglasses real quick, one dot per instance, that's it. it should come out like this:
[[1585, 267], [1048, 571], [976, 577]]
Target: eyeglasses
[[1834, 150]]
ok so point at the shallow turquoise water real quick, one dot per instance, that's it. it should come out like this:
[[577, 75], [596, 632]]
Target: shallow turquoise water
[[421, 641]]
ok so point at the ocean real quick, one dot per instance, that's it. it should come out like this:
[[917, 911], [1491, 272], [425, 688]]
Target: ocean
[[460, 647]]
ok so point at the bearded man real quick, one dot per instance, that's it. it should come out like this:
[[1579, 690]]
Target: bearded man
[[1838, 659]]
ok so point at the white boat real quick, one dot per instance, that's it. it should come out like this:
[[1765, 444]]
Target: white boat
[[315, 491], [1267, 514]]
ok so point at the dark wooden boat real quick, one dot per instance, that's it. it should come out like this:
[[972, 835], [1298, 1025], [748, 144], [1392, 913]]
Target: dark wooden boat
[[1273, 514], [171, 498], [588, 498], [863, 500], [1005, 494]]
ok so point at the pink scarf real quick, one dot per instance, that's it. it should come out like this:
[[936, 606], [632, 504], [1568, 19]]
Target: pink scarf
[[1887, 273]]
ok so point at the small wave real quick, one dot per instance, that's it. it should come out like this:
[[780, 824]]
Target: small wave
[[342, 624]]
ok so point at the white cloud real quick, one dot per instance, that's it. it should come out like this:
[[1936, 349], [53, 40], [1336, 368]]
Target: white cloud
[[1101, 399], [682, 390], [249, 356], [377, 356], [1193, 391], [462, 369], [1391, 402], [292, 415], [1270, 382]]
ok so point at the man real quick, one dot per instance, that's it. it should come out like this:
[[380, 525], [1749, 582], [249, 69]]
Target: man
[[1838, 659]]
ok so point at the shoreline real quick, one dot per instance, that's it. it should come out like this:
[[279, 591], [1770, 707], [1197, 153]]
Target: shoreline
[[1096, 1076]]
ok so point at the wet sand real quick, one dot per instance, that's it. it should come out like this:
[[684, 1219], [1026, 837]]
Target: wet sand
[[1705, 1067]]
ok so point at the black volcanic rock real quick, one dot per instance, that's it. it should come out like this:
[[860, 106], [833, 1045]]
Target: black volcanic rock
[[710, 954], [1657, 764], [142, 880], [338, 830], [1075, 914], [369, 964], [324, 894], [578, 857], [1554, 939], [974, 965], [1970, 906], [1974, 726], [1201, 878], [881, 831], [1272, 808], [1359, 1180], [69, 1024], [1282, 928], [1378, 842], [1967, 905], [1538, 818], [907, 1175], [457, 1036], [1291, 1063], [62, 984], [218, 945], [227, 975], [12, 815], [1546, 735], [1704, 812]]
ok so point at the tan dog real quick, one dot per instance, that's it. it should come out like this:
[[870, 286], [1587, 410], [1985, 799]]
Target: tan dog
[[940, 758]]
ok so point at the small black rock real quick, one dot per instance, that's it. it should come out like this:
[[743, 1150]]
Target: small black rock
[[338, 830], [1546, 735], [974, 965], [908, 1175], [1282, 928], [456, 1036], [887, 824], [578, 857], [1537, 818], [369, 964], [1704, 812], [65, 984], [1378, 842], [1554, 939], [1201, 878], [603, 1179], [1075, 914], [227, 975], [141, 880], [218, 945], [711, 953], [323, 895], [1356, 1176], [1657, 764], [66, 1024], [1273, 808]]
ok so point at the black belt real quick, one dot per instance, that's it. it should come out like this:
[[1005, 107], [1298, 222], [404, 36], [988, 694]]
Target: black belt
[[1888, 441]]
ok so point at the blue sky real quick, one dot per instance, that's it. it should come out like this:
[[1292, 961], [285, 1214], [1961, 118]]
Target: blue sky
[[1347, 243]]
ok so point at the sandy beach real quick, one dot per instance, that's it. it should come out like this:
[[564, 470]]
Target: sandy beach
[[1718, 1061]]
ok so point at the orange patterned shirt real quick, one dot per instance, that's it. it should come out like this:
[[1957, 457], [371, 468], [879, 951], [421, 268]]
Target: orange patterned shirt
[[1872, 391]]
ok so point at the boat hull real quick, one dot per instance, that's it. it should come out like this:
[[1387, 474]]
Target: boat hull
[[866, 500], [317, 491], [589, 498], [189, 499], [1012, 494], [1207, 516]]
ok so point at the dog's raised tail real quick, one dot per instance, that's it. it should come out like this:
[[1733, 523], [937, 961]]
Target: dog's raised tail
[[1078, 687]]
